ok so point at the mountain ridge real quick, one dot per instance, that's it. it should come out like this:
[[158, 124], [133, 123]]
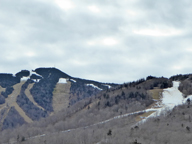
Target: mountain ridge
[[60, 104], [37, 102]]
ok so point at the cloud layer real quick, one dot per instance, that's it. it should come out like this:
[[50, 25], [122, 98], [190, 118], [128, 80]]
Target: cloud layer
[[109, 41]]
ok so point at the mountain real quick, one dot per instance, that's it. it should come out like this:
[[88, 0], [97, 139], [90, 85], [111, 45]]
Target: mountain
[[54, 107], [29, 96]]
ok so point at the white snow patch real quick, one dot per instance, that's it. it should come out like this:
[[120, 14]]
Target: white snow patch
[[108, 86], [31, 72], [24, 78], [62, 80], [171, 98], [73, 80], [94, 86], [37, 80]]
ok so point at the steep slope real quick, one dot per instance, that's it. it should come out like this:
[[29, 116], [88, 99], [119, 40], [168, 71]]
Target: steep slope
[[108, 113], [10, 103], [43, 90], [30, 97], [146, 110], [67, 109], [61, 96]]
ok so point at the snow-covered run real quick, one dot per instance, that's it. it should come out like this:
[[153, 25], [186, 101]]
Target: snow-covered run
[[62, 80], [73, 80], [94, 86], [171, 97]]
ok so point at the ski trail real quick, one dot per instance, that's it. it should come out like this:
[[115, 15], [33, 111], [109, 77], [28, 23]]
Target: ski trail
[[30, 97], [171, 98]]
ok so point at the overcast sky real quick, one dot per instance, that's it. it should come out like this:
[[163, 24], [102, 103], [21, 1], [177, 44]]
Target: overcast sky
[[104, 40]]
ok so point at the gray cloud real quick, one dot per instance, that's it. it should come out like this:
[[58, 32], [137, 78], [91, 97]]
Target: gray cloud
[[151, 38]]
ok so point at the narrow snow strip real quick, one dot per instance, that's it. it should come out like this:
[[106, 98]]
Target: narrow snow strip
[[31, 72], [69, 130], [118, 117], [73, 80], [94, 86], [151, 109], [62, 80]]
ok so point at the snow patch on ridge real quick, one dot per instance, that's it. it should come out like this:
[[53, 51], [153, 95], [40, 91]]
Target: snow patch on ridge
[[62, 80], [32, 72], [73, 80], [94, 86], [25, 78]]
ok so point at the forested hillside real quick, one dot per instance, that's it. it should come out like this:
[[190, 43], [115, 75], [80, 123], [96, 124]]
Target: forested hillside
[[32, 95], [94, 112]]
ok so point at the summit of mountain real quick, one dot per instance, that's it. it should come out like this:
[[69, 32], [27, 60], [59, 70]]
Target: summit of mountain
[[39, 93]]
